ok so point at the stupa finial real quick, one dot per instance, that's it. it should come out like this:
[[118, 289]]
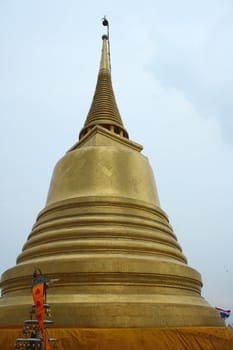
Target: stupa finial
[[104, 111], [105, 23], [104, 62]]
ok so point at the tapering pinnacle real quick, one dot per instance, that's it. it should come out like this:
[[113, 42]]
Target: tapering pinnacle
[[104, 110], [104, 63]]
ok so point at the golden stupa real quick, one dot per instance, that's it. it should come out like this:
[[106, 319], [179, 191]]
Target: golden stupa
[[121, 277]]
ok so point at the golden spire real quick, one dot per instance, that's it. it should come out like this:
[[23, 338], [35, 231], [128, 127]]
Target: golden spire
[[104, 110]]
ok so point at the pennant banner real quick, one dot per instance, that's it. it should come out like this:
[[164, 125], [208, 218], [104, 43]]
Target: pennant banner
[[38, 297]]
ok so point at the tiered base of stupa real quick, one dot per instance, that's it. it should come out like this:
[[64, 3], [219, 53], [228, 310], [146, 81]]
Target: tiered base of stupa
[[114, 263], [119, 278]]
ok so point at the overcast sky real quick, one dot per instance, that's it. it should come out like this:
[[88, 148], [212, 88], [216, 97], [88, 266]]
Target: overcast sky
[[173, 81]]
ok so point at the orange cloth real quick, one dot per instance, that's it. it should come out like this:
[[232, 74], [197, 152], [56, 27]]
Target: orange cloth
[[186, 338], [38, 297]]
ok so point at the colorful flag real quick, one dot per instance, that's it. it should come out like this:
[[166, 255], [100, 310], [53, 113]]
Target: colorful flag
[[38, 297], [223, 313]]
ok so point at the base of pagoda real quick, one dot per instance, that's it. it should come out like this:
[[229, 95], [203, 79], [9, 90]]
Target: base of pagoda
[[192, 338]]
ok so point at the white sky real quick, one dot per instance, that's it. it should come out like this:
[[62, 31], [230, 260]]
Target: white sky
[[173, 80]]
